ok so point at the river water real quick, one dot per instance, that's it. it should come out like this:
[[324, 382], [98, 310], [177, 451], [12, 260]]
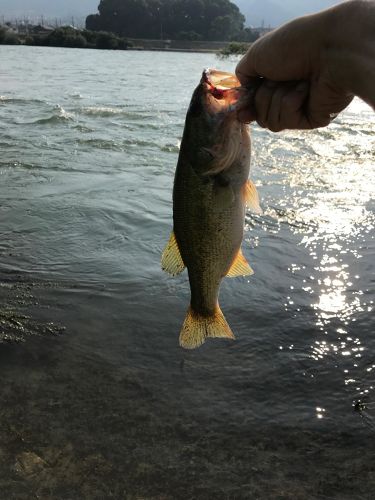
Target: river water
[[97, 399]]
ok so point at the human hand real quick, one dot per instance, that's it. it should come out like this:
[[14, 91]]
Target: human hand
[[303, 82]]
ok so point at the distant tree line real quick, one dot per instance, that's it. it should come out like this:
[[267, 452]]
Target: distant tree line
[[68, 37], [71, 37], [172, 19]]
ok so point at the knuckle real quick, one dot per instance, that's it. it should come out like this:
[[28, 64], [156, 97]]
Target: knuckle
[[275, 128], [317, 120], [261, 123]]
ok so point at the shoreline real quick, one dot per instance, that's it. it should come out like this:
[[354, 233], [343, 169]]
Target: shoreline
[[131, 49], [66, 38], [156, 49]]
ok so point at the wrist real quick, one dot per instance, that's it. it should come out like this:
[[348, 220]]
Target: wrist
[[348, 50]]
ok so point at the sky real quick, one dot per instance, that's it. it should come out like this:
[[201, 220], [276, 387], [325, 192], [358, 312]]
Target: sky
[[275, 12], [270, 12]]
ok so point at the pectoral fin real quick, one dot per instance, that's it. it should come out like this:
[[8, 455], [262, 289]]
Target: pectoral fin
[[223, 197], [171, 260], [240, 266], [251, 197]]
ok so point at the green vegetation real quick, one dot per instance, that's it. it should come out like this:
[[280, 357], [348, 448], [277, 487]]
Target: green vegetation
[[190, 20], [67, 37], [8, 37], [70, 37], [234, 49], [171, 19]]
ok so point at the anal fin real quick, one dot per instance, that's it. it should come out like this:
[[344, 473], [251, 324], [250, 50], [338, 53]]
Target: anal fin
[[171, 260], [251, 197], [240, 266]]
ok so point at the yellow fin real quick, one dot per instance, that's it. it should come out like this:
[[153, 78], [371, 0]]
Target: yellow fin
[[197, 328], [240, 266], [251, 197], [223, 197], [171, 260]]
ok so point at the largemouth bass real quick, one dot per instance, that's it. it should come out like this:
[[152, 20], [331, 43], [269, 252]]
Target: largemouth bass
[[210, 194]]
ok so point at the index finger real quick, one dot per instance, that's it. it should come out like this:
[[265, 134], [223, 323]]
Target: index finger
[[245, 70]]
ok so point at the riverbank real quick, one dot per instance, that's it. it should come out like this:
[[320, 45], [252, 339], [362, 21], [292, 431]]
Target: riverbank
[[183, 45], [69, 37]]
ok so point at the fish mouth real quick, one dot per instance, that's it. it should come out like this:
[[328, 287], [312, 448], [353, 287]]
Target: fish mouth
[[222, 90], [220, 80]]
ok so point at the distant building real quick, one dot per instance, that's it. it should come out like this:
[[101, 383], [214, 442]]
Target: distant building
[[26, 28], [10, 28], [41, 30]]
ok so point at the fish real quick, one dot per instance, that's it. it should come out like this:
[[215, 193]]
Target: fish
[[210, 193]]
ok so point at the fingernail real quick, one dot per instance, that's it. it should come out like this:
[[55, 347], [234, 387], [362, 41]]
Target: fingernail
[[302, 87]]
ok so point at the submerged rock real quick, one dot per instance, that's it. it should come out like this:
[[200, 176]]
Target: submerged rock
[[29, 463]]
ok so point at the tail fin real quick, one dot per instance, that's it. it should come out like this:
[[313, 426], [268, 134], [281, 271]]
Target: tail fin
[[197, 328]]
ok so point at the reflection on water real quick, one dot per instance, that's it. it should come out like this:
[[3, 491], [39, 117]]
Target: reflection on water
[[327, 203]]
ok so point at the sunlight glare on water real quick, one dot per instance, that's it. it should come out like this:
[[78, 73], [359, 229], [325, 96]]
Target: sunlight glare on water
[[328, 204]]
